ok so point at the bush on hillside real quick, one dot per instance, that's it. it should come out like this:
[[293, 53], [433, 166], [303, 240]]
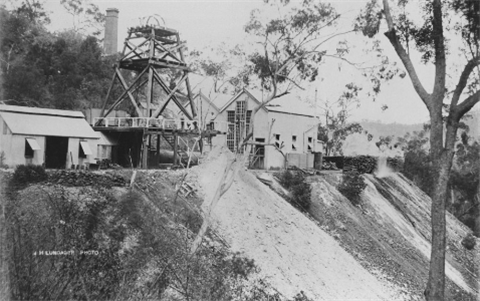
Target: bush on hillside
[[299, 189], [368, 164], [363, 164], [25, 175], [28, 174], [352, 186], [395, 164], [469, 242]]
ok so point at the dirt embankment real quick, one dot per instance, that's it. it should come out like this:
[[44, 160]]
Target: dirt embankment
[[293, 252], [391, 233]]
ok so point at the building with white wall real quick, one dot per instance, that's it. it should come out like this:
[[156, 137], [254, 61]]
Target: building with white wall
[[284, 126], [53, 138]]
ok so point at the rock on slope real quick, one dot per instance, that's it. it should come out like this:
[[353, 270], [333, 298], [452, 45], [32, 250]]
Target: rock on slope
[[291, 250]]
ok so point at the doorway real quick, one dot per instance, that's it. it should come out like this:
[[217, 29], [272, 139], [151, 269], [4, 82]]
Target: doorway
[[56, 149], [257, 158]]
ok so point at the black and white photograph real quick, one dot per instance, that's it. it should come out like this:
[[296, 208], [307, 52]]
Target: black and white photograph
[[240, 150]]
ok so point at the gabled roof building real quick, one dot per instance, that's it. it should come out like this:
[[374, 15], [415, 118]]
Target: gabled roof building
[[285, 131], [53, 138]]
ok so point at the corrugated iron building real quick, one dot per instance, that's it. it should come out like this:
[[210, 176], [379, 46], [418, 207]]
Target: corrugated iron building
[[53, 138]]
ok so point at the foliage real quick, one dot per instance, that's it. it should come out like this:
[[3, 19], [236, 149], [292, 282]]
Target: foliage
[[111, 247], [291, 45], [469, 242], [418, 164], [368, 164], [395, 164], [334, 134], [464, 180], [228, 69], [300, 190], [444, 25], [39, 68], [86, 16], [27, 174], [46, 220], [79, 178], [362, 164], [352, 186], [336, 127]]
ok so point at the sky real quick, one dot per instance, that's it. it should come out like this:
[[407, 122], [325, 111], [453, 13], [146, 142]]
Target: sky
[[205, 23]]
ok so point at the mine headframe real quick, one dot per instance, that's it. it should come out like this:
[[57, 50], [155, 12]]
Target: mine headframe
[[151, 52]]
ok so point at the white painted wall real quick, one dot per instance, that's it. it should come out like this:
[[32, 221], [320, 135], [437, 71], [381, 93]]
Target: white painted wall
[[287, 126], [284, 124], [74, 152], [14, 148]]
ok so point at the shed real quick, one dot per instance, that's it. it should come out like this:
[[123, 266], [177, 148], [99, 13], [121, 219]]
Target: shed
[[49, 137]]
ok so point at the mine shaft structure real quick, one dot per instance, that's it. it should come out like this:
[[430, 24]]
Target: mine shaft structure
[[151, 52]]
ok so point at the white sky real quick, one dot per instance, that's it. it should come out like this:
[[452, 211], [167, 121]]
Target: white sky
[[206, 23]]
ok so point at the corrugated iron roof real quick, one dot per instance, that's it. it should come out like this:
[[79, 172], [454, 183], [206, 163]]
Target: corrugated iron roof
[[41, 111], [46, 122]]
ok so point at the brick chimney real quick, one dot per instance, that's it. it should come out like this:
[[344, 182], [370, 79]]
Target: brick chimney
[[111, 31]]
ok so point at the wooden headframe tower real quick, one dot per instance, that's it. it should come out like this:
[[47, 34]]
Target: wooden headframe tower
[[148, 51], [155, 55]]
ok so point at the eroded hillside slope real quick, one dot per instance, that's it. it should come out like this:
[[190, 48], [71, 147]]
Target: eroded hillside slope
[[340, 252], [292, 251], [391, 233]]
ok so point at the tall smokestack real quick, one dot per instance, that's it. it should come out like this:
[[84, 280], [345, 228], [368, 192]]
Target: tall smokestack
[[111, 31]]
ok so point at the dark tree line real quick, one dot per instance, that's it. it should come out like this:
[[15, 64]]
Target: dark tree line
[[64, 70]]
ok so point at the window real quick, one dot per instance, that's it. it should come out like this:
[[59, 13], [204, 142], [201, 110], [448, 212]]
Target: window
[[231, 130], [231, 116], [249, 116], [238, 124], [31, 145], [294, 143], [310, 144], [277, 140]]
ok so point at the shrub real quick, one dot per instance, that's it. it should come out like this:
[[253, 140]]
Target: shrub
[[299, 189], [352, 186], [469, 242], [363, 164], [368, 164], [25, 175], [395, 163]]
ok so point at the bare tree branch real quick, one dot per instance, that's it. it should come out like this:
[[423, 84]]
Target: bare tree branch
[[466, 105], [403, 55], [462, 82]]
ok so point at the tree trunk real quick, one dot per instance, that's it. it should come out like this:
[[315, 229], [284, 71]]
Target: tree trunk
[[442, 156], [436, 278]]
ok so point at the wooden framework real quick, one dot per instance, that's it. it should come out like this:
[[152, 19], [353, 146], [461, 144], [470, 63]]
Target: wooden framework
[[149, 51]]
